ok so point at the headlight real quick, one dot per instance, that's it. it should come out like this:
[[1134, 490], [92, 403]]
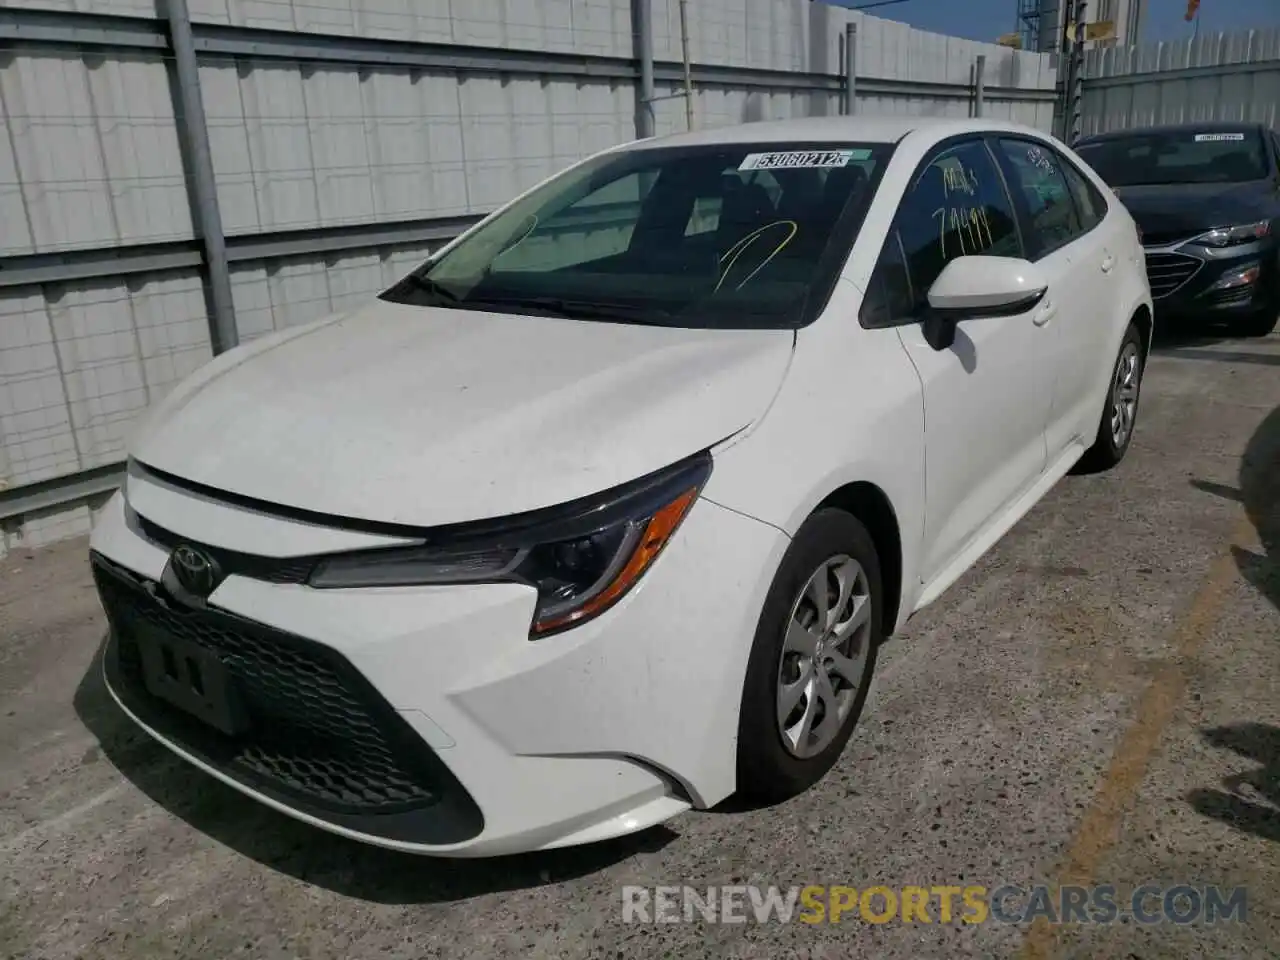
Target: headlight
[[1230, 236], [581, 558]]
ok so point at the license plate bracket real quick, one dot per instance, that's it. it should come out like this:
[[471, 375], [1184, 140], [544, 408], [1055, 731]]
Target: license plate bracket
[[191, 678]]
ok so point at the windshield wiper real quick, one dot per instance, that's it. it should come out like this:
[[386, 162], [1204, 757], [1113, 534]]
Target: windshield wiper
[[424, 283], [574, 309]]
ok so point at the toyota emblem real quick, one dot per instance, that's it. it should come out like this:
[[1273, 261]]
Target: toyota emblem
[[194, 571]]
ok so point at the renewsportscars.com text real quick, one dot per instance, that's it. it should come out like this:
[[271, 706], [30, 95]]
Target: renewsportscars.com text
[[942, 904]]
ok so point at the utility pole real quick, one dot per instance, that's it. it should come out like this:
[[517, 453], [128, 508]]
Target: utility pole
[[1077, 72], [688, 73], [642, 16], [850, 69]]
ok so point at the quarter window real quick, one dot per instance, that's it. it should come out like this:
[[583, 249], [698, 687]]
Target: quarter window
[[1090, 204], [957, 206], [1036, 174]]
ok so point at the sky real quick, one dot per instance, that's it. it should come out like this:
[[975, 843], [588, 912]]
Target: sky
[[988, 19]]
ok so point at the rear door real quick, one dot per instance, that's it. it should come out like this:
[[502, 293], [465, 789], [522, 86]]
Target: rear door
[[987, 397], [1067, 240]]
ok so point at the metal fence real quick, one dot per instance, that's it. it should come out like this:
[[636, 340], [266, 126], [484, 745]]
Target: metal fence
[[172, 184], [1224, 76]]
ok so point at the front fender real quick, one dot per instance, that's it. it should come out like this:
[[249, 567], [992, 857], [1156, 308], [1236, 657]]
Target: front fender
[[851, 409]]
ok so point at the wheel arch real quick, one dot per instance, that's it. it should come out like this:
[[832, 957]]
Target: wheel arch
[[873, 508], [1146, 327]]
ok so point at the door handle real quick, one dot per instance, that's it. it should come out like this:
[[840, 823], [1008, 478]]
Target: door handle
[[1045, 314], [1108, 263]]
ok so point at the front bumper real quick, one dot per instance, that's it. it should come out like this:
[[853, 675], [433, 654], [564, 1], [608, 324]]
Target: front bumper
[[1184, 280], [424, 719]]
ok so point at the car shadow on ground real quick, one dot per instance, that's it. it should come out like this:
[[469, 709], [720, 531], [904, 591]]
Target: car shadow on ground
[[312, 855], [1251, 801]]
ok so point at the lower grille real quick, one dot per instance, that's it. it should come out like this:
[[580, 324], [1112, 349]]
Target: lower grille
[[1166, 272], [318, 736], [1224, 298]]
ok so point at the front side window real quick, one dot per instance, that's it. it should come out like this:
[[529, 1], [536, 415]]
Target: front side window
[[721, 236], [1179, 156], [1035, 172], [957, 206]]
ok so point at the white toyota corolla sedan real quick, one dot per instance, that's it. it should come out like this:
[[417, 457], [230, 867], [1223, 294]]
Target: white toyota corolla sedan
[[600, 513]]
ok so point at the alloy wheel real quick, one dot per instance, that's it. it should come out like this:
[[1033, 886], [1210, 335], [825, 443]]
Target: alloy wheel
[[823, 656], [1124, 395]]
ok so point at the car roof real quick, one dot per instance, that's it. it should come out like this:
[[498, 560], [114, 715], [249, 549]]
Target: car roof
[[1215, 126], [838, 129]]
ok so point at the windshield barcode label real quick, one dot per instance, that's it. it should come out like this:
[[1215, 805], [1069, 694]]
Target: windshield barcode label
[[1217, 137], [807, 159]]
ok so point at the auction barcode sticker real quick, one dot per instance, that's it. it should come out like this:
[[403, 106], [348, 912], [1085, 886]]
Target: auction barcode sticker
[[1218, 137], [800, 159]]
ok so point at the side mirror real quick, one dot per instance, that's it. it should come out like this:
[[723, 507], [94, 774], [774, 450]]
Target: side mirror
[[972, 287]]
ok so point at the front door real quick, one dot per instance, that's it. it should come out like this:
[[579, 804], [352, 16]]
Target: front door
[[987, 397]]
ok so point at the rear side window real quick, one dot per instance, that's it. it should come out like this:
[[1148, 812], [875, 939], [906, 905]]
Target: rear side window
[[956, 206], [1035, 173]]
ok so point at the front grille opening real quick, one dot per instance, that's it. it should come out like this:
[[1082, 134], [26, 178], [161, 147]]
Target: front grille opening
[[1167, 272], [317, 732]]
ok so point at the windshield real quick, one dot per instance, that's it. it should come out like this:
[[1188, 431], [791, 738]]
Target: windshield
[[1177, 157], [722, 236]]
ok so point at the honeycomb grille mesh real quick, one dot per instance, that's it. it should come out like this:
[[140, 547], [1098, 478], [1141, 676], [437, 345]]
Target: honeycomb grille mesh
[[315, 730]]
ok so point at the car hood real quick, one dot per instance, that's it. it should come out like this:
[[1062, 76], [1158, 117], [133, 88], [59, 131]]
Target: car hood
[[424, 416], [1170, 212]]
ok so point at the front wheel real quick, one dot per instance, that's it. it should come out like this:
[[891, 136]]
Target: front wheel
[[812, 658], [1115, 431], [1260, 324]]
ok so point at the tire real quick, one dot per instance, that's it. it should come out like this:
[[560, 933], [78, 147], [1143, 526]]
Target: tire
[[1260, 324], [775, 762], [1111, 442]]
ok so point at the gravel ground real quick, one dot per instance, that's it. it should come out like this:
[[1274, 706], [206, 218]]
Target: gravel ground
[[1096, 702]]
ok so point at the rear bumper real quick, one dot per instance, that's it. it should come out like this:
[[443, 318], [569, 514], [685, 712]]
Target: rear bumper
[[1187, 280]]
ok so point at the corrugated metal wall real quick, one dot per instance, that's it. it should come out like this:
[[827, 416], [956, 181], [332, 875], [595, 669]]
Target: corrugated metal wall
[[1223, 76], [92, 160]]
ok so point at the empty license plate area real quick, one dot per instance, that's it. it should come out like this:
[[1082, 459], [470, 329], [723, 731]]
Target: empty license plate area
[[191, 678]]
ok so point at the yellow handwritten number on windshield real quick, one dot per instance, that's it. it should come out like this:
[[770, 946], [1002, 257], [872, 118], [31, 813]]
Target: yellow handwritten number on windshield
[[734, 252]]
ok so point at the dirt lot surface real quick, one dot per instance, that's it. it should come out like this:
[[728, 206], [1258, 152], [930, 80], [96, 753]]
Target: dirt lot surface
[[1096, 702]]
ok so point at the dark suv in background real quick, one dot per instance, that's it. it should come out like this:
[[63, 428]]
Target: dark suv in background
[[1207, 200]]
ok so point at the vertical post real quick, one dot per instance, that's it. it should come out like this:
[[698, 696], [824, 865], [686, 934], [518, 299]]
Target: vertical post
[[850, 69], [688, 73], [642, 20], [194, 133], [1065, 62], [1077, 73], [979, 83]]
